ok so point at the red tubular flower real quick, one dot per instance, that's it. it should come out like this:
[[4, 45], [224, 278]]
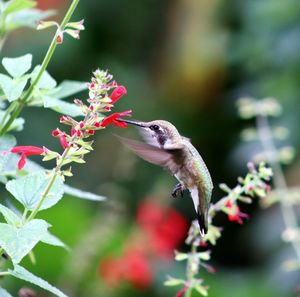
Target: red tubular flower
[[63, 141], [25, 152], [233, 212], [117, 93], [115, 116]]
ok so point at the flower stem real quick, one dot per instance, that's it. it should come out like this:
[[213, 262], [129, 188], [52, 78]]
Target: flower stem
[[23, 100], [49, 186], [287, 210]]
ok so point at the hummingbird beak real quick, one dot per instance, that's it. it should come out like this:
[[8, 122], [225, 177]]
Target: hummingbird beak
[[140, 124]]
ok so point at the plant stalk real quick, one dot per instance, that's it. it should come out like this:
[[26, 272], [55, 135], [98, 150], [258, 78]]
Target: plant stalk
[[23, 100], [288, 213], [49, 186]]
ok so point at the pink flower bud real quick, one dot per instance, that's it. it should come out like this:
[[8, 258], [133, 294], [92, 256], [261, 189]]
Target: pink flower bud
[[56, 132], [63, 141], [59, 37]]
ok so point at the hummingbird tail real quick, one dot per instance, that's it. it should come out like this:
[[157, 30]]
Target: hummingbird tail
[[202, 220]]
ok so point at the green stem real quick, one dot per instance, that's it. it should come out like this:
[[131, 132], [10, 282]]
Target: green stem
[[288, 214], [3, 273], [23, 100], [188, 292], [190, 273], [49, 186]]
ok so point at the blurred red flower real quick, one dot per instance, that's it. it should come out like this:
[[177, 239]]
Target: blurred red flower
[[165, 228], [133, 267]]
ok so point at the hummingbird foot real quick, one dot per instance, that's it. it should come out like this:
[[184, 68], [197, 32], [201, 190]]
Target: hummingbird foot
[[177, 188]]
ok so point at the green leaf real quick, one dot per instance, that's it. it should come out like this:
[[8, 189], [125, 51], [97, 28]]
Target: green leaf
[[12, 88], [29, 190], [6, 143], [82, 194], [4, 293], [201, 290], [63, 107], [16, 67], [17, 124], [53, 240], [27, 18], [68, 88], [16, 5], [46, 81], [18, 242], [21, 273], [180, 256], [171, 281], [10, 217]]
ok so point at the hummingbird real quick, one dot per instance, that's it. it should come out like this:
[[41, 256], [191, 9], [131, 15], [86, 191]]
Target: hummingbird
[[164, 146]]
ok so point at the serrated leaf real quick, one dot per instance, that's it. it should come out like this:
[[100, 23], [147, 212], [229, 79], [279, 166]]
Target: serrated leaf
[[21, 273], [10, 217], [29, 190], [12, 88], [16, 5], [27, 18], [51, 239], [63, 107], [16, 67], [82, 194], [4, 293], [46, 81], [18, 242], [68, 88]]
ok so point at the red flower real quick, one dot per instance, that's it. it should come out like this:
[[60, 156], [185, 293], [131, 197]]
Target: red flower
[[63, 141], [138, 270], [166, 228], [133, 267], [26, 151], [114, 117], [111, 271], [117, 93], [56, 132], [233, 212]]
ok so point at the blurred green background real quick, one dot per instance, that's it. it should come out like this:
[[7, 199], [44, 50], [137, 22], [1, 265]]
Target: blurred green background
[[185, 61]]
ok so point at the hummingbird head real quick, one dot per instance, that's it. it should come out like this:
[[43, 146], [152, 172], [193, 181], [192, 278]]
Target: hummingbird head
[[158, 132]]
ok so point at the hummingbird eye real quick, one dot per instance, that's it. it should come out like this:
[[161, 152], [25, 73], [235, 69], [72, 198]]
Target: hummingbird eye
[[154, 127]]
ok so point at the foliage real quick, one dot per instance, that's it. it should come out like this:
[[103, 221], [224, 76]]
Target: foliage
[[37, 189]]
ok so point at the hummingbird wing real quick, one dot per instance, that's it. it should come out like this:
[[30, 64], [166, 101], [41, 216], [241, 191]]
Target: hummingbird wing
[[170, 159]]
